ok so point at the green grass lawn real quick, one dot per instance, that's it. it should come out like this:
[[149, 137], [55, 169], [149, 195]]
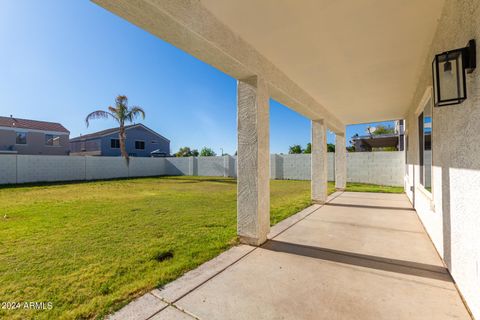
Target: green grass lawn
[[89, 248]]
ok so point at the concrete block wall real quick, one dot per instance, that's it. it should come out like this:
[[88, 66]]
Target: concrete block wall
[[385, 168], [201, 166], [230, 166], [296, 166], [33, 168], [43, 168], [331, 166], [179, 166], [105, 168], [211, 166], [8, 169], [145, 167]]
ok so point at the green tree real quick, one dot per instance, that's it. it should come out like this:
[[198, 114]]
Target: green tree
[[195, 153], [351, 149], [122, 113], [207, 152], [295, 149], [183, 152], [381, 129], [308, 149]]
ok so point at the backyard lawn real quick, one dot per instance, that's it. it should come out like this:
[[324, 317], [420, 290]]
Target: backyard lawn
[[89, 248]]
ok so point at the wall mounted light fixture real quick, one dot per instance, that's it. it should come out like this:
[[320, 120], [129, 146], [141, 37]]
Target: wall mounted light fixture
[[449, 74]]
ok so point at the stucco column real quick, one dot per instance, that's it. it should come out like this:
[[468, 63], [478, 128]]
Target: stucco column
[[319, 161], [340, 161], [253, 161]]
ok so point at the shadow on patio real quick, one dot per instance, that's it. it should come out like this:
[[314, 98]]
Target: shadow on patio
[[360, 256]]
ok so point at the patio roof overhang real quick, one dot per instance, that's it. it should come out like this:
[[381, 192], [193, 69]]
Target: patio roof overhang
[[342, 61]]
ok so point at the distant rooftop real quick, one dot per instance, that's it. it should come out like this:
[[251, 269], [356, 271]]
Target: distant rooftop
[[13, 122], [110, 131]]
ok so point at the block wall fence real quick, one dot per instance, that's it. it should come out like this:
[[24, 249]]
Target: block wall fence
[[386, 168]]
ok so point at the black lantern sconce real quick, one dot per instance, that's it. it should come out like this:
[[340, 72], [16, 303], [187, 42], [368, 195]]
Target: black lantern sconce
[[449, 74]]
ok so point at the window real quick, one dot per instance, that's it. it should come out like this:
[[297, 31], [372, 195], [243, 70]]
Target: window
[[115, 143], [52, 140], [140, 145], [21, 138], [425, 145]]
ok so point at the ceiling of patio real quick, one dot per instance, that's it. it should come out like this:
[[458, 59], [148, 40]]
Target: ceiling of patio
[[361, 59]]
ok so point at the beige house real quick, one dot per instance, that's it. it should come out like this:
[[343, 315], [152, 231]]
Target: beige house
[[32, 137], [340, 63]]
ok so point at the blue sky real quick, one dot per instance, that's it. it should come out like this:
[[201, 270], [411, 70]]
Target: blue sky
[[61, 60]]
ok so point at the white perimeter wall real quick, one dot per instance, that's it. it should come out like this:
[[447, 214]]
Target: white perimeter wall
[[385, 168]]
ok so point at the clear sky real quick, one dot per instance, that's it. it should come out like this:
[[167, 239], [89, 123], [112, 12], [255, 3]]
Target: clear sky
[[60, 60]]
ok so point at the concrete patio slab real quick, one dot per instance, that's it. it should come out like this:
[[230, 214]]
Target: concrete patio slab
[[370, 260], [287, 223], [360, 256], [189, 281], [140, 309], [171, 313], [375, 227]]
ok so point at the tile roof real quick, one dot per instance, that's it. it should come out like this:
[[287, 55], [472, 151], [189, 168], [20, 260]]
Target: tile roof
[[13, 122]]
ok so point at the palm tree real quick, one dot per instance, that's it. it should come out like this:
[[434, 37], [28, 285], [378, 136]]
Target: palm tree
[[121, 113]]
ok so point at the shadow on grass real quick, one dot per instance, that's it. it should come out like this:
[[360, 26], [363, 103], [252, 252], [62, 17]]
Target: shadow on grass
[[188, 179], [191, 179]]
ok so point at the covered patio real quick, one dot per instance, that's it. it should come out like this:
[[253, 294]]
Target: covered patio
[[337, 63], [359, 256]]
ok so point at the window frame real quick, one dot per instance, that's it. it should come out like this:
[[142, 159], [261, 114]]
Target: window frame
[[16, 138], [112, 145], [426, 101], [141, 141], [421, 150], [55, 137]]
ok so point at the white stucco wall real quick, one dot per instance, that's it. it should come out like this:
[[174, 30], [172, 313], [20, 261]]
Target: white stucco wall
[[450, 211]]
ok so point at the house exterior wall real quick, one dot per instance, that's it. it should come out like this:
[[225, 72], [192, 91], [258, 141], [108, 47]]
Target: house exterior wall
[[450, 212], [90, 146], [35, 143], [133, 134]]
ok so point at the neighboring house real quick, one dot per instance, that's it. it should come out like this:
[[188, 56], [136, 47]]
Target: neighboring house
[[22, 136], [141, 142], [372, 142]]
